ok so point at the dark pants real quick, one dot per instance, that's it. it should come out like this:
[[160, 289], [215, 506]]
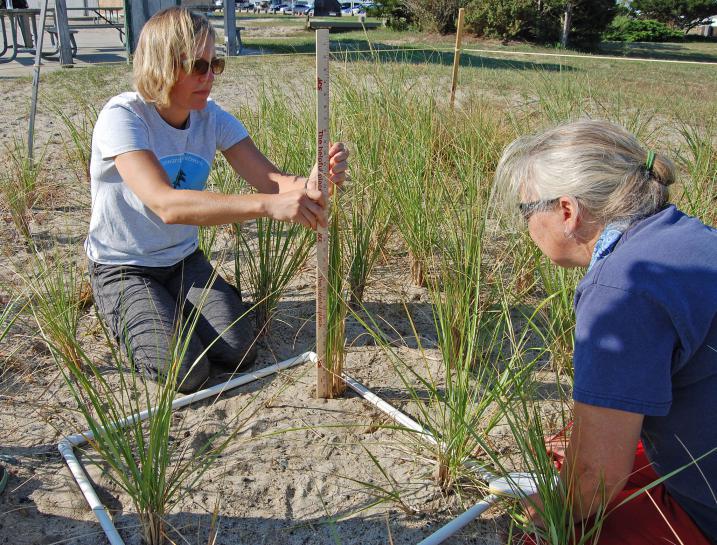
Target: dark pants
[[147, 309]]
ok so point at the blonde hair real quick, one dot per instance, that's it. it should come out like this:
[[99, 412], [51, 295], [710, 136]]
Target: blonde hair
[[170, 36], [598, 163]]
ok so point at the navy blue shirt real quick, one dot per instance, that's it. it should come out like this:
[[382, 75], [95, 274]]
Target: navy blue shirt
[[646, 342]]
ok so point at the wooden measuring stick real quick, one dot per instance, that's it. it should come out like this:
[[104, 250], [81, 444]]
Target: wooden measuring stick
[[323, 375], [457, 55]]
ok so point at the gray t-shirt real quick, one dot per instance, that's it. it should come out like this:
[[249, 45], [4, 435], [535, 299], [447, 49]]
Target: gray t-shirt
[[123, 231]]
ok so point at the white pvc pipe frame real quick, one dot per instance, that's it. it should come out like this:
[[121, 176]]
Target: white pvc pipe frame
[[464, 519], [69, 443]]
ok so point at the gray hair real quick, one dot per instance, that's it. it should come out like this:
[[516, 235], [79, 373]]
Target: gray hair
[[599, 164]]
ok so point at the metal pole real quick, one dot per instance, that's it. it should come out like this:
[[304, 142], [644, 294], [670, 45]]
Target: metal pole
[[36, 80], [324, 379]]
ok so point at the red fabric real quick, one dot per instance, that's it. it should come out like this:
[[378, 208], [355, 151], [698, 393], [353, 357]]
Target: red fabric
[[644, 519]]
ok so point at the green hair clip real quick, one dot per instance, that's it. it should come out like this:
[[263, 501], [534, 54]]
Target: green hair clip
[[650, 162]]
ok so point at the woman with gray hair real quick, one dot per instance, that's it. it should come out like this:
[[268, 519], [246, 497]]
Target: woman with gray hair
[[645, 358]]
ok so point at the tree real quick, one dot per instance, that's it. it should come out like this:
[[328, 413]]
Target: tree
[[577, 23], [505, 19], [682, 14], [438, 15], [590, 18]]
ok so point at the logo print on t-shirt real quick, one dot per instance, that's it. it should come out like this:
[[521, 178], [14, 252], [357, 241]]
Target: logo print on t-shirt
[[186, 171]]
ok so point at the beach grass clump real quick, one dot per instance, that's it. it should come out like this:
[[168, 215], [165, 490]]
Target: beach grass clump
[[269, 255], [699, 161], [10, 313], [469, 324], [60, 293], [367, 234], [141, 458], [555, 320], [21, 186], [78, 140], [411, 187]]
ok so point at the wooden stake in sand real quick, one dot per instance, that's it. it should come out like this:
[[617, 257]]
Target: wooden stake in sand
[[457, 55], [323, 373]]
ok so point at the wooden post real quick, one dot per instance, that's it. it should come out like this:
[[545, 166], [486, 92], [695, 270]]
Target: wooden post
[[63, 33], [230, 27], [324, 380], [457, 55]]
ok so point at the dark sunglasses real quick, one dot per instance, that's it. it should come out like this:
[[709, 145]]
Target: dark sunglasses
[[527, 209], [199, 67]]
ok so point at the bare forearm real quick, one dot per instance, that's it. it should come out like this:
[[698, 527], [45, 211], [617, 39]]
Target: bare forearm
[[281, 197], [589, 490], [190, 207]]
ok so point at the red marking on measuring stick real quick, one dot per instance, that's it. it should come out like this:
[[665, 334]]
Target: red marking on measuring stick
[[323, 376]]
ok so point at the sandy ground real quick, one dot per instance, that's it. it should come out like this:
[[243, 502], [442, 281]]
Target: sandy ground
[[292, 475]]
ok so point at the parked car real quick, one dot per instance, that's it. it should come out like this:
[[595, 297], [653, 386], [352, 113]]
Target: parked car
[[244, 5], [303, 9], [358, 9], [218, 5], [286, 9], [261, 5]]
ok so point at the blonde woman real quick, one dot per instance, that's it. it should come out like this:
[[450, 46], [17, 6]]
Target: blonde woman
[[152, 151], [645, 357]]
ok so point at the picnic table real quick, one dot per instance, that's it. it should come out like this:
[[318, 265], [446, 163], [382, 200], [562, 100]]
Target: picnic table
[[24, 20], [18, 19], [102, 17]]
